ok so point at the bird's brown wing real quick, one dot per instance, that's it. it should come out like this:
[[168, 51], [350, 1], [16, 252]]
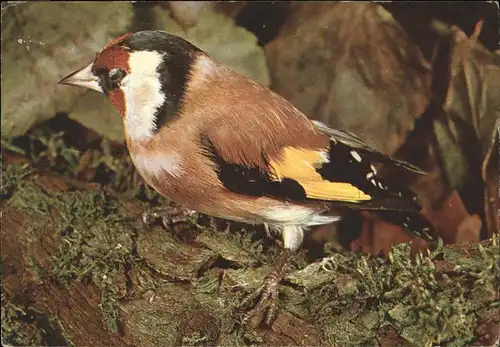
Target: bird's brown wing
[[260, 145], [331, 175]]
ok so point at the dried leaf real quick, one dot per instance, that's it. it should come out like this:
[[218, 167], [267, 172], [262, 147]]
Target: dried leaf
[[469, 230], [467, 137], [490, 175], [448, 216], [351, 66], [474, 94], [472, 101], [377, 237], [230, 8], [458, 135]]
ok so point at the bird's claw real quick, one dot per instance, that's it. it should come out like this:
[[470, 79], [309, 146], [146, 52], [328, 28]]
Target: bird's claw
[[169, 215], [268, 293]]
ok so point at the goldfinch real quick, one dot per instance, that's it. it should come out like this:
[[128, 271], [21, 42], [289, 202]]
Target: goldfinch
[[216, 142]]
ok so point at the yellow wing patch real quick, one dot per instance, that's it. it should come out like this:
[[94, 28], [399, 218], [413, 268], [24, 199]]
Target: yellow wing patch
[[300, 165]]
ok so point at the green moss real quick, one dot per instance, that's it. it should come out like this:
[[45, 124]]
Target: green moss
[[344, 333], [27, 327], [481, 263], [350, 296], [421, 302], [109, 310], [93, 242], [55, 153], [34, 202], [14, 331], [238, 246], [208, 283], [197, 338], [92, 239], [7, 145], [12, 176], [38, 271], [49, 150]]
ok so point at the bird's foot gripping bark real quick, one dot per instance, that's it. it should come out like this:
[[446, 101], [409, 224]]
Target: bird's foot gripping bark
[[268, 293], [169, 215]]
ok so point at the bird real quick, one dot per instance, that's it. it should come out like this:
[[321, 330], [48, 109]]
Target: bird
[[218, 143]]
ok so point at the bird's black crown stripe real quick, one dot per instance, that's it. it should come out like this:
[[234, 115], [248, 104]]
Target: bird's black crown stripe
[[178, 58]]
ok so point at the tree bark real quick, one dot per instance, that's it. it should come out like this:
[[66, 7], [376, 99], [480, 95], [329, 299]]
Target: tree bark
[[156, 300], [154, 288]]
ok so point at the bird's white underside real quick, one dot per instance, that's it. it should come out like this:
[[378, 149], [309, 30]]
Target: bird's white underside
[[143, 95], [287, 214], [292, 220]]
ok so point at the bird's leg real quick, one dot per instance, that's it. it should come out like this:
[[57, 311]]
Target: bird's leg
[[169, 215], [268, 291]]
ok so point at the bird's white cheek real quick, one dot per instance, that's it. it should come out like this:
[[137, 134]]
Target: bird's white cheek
[[158, 165], [143, 99], [141, 94]]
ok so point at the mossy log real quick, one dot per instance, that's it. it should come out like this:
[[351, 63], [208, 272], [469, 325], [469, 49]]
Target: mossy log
[[79, 268]]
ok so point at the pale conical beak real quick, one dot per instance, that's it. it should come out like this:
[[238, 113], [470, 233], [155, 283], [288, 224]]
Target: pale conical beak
[[83, 78]]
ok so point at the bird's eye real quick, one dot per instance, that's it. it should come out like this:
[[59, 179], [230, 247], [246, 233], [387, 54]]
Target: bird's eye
[[115, 76]]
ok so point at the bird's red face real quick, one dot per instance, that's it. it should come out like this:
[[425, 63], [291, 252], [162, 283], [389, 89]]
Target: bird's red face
[[144, 75], [106, 73]]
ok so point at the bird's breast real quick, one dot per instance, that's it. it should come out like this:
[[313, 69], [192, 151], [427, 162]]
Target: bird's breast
[[158, 164]]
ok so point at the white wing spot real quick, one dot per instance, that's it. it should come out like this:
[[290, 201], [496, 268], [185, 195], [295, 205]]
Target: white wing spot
[[373, 182], [324, 157], [369, 175], [373, 169], [356, 155]]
